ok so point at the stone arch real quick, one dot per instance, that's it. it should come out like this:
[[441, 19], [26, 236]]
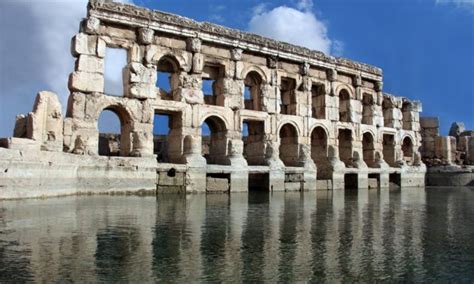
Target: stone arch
[[345, 138], [215, 143], [180, 60], [408, 149], [257, 69], [345, 96], [124, 139], [289, 150], [217, 115], [253, 91], [319, 151], [323, 126], [348, 88], [168, 72], [294, 124], [368, 148], [368, 108]]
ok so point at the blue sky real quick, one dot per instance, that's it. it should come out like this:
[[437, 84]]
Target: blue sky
[[425, 47]]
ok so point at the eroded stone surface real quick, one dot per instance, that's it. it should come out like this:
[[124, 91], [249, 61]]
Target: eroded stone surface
[[297, 117]]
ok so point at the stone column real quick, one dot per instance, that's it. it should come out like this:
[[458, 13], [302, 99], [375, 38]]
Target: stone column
[[240, 174], [277, 168], [392, 112], [445, 148], [356, 104], [470, 151], [197, 166], [338, 167], [310, 170], [190, 85], [331, 98]]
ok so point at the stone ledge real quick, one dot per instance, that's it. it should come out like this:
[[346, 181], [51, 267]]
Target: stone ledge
[[220, 31]]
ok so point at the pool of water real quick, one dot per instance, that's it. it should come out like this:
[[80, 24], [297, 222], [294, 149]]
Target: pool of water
[[366, 235]]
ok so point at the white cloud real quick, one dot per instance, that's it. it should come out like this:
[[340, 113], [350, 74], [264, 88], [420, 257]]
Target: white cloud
[[469, 4], [298, 26], [35, 38], [215, 13], [304, 5]]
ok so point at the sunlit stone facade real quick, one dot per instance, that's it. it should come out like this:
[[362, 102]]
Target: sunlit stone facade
[[280, 117]]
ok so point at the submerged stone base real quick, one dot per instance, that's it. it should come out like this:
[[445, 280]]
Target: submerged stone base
[[450, 176], [33, 174], [25, 174]]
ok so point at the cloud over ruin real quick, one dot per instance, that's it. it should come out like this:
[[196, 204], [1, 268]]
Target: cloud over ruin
[[297, 25]]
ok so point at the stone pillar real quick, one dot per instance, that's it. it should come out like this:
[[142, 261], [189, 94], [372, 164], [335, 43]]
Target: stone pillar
[[392, 112], [189, 87], [89, 69], [230, 93], [140, 81], [310, 170], [470, 151], [239, 175], [277, 168], [445, 148], [338, 167], [411, 115], [197, 166], [356, 103], [331, 98], [429, 132], [305, 98]]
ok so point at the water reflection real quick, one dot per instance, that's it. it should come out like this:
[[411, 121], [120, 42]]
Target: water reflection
[[366, 235]]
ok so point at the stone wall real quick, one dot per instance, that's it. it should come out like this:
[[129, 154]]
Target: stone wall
[[307, 114]]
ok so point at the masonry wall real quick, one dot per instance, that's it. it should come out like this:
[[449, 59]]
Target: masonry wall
[[295, 102]]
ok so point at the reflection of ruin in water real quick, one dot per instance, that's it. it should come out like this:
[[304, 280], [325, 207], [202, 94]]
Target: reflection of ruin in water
[[369, 235]]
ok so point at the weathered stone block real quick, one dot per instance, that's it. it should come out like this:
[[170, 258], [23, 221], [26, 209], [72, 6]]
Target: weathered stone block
[[198, 63], [92, 64], [217, 184], [142, 91], [145, 35], [84, 44], [86, 82], [444, 148], [92, 25]]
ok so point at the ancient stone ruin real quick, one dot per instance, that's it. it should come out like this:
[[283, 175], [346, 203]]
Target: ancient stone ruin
[[450, 159], [280, 117]]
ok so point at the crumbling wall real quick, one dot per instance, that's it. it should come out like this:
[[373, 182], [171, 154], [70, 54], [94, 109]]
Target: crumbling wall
[[439, 150]]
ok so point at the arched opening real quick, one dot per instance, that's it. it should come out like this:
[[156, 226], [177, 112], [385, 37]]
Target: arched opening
[[253, 91], [368, 149], [289, 145], [167, 77], [345, 146], [368, 109], [407, 148], [167, 131], [319, 152], [344, 106], [113, 133], [214, 141], [389, 149], [253, 133], [318, 101], [288, 96]]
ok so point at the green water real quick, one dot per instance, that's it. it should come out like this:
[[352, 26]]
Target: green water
[[404, 235]]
